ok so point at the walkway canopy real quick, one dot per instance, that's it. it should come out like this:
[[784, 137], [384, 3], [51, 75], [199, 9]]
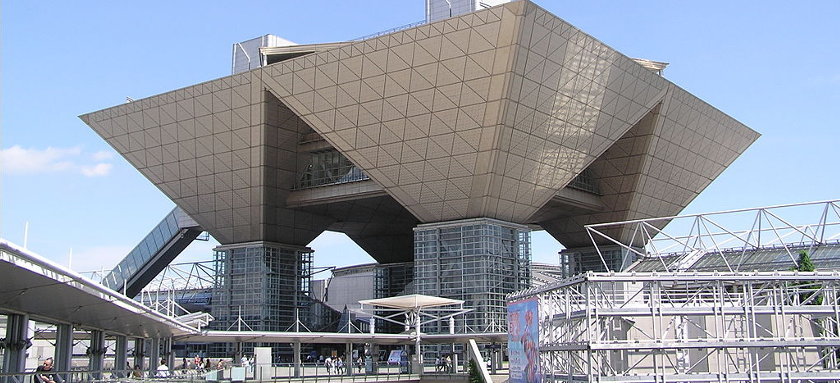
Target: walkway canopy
[[51, 293]]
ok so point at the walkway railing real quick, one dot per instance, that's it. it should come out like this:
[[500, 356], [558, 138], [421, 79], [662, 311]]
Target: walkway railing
[[282, 372], [392, 30]]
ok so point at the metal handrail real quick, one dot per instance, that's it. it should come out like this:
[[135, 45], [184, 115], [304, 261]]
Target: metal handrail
[[279, 372], [392, 30]]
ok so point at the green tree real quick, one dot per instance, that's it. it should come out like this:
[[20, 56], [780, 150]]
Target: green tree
[[475, 376], [806, 265]]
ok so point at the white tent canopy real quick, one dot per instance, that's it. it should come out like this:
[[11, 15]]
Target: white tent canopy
[[411, 302]]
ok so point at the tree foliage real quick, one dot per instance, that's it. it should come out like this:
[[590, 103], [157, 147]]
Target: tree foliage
[[805, 264], [475, 376]]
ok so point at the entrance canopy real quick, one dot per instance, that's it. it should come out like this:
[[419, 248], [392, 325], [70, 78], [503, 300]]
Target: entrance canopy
[[411, 302]]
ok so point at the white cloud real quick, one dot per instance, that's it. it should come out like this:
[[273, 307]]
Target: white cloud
[[100, 169], [17, 160], [27, 161]]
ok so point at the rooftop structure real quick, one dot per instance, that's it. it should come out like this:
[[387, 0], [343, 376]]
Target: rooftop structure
[[248, 54]]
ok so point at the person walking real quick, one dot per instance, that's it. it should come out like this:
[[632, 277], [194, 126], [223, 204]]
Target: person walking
[[328, 363], [339, 366]]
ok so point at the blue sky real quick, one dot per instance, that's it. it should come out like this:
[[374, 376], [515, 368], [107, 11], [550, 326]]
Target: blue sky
[[772, 65]]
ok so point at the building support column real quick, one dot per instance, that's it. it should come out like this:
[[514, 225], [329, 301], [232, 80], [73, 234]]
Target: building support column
[[14, 353], [63, 347], [374, 358], [120, 355], [492, 357], [168, 354], [296, 358], [452, 355], [348, 358], [154, 356], [96, 353], [237, 356], [139, 353], [467, 358]]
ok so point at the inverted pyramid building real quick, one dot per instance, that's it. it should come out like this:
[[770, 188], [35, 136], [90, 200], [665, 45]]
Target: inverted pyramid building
[[499, 114]]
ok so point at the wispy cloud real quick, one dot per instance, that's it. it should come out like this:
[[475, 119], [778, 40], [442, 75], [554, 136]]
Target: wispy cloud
[[100, 169], [25, 161]]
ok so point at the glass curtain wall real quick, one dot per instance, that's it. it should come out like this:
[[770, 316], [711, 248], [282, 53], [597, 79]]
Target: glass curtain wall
[[261, 287], [479, 261], [328, 168]]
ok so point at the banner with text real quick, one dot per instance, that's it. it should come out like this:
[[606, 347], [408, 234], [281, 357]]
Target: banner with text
[[523, 341]]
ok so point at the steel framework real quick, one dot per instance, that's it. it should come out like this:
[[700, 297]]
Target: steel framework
[[690, 327], [184, 276], [719, 304], [721, 235]]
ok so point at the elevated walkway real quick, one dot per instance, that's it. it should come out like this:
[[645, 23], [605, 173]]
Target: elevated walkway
[[168, 239], [45, 291]]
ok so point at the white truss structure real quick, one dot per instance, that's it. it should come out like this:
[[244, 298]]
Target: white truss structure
[[677, 324], [803, 225], [174, 282], [184, 276]]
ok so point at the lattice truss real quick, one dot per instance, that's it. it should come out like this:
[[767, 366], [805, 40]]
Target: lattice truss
[[184, 276], [698, 327], [180, 282], [766, 238]]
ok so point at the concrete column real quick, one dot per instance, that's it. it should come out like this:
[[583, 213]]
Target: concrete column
[[154, 356], [237, 357], [139, 352], [14, 355], [466, 358], [492, 357], [454, 357], [168, 354], [374, 357], [121, 354], [348, 358], [96, 352], [296, 359], [63, 347]]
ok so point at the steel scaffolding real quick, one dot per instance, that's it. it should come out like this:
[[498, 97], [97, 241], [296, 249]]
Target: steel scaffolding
[[690, 327], [718, 304]]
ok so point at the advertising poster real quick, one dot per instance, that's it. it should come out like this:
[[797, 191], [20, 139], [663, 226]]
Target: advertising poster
[[523, 340]]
